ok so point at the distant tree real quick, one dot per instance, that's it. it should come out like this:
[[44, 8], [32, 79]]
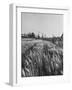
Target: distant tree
[[38, 36], [33, 35], [42, 36], [29, 35]]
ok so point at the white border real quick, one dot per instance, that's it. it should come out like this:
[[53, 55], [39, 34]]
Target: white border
[[16, 78], [12, 45]]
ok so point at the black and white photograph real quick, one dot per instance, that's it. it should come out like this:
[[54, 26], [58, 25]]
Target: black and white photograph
[[41, 44]]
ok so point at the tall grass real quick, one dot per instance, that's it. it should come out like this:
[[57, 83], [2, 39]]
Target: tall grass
[[43, 61]]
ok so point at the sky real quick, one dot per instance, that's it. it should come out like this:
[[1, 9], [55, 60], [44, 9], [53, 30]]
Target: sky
[[47, 24]]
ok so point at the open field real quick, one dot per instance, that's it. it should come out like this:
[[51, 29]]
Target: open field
[[40, 58]]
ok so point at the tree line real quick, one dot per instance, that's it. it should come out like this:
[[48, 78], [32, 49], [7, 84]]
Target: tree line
[[33, 35], [30, 35]]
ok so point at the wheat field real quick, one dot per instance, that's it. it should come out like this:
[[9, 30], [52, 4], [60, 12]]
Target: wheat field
[[40, 58]]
